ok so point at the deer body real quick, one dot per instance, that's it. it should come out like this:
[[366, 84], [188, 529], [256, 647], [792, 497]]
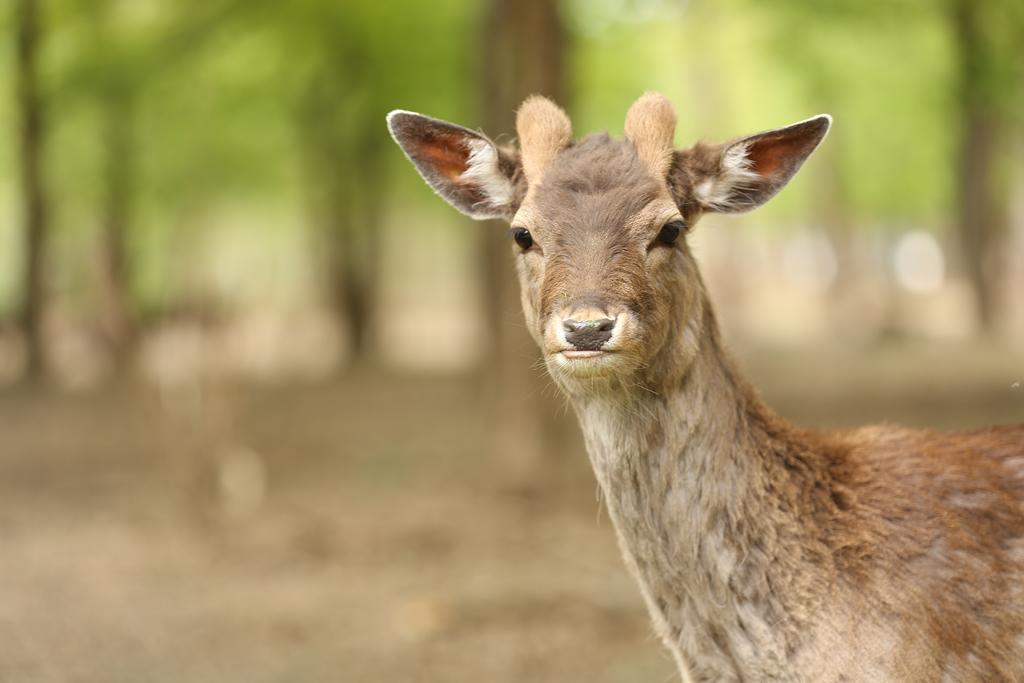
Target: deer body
[[763, 551], [768, 553]]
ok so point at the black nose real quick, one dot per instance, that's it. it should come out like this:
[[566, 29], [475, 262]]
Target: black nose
[[588, 335]]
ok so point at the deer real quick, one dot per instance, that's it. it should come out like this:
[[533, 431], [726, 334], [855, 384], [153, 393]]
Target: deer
[[763, 550]]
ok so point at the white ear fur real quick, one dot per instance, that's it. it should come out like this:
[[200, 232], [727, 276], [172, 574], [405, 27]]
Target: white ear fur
[[719, 192], [483, 171]]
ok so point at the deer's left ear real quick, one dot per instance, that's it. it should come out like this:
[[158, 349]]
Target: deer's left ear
[[468, 170], [743, 174]]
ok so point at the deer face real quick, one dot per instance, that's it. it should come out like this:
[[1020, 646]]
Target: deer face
[[610, 290], [602, 261]]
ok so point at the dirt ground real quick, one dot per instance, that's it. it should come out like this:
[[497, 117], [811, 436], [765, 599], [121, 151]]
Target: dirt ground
[[359, 530]]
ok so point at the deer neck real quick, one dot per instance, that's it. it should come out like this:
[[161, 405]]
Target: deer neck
[[693, 475], [697, 435]]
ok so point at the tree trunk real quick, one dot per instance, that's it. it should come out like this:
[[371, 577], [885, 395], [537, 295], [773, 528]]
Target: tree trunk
[[354, 260], [345, 204], [117, 320], [982, 216], [30, 106], [523, 53]]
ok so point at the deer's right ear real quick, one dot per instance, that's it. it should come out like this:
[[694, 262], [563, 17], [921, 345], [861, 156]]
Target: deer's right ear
[[463, 166], [745, 173]]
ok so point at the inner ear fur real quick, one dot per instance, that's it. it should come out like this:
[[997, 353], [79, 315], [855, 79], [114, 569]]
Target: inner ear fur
[[745, 173]]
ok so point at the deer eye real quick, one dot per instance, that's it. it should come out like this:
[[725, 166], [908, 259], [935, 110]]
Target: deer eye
[[522, 237], [670, 232]]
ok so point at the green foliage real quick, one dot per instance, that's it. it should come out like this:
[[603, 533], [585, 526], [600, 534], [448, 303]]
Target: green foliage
[[885, 72], [255, 102]]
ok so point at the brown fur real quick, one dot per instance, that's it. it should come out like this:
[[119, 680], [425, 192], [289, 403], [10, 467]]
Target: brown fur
[[650, 127], [763, 551], [544, 131]]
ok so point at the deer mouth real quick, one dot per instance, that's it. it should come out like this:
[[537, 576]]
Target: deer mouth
[[584, 363], [575, 354]]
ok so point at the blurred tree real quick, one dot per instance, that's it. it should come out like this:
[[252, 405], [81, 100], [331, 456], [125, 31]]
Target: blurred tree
[[176, 123], [822, 82], [32, 143], [120, 141], [340, 58], [117, 91], [341, 146], [523, 51], [345, 65], [980, 58], [986, 62], [118, 58]]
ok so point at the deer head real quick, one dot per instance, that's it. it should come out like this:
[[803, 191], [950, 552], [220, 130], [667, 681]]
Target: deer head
[[610, 289]]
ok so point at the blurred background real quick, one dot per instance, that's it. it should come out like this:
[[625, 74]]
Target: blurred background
[[267, 408]]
